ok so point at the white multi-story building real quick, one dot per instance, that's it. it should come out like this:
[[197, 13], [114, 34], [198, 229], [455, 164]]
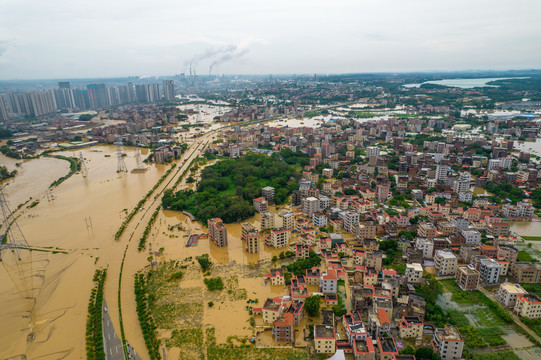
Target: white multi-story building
[[461, 186], [448, 342], [310, 205], [490, 271], [508, 293], [441, 172], [351, 218], [372, 151], [445, 263], [329, 282], [472, 237], [461, 224], [324, 203], [521, 210], [414, 273], [465, 196], [426, 246]]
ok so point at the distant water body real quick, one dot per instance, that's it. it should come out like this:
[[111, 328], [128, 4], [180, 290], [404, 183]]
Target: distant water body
[[463, 83]]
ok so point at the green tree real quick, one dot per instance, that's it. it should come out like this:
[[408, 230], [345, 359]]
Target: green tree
[[204, 261], [312, 305]]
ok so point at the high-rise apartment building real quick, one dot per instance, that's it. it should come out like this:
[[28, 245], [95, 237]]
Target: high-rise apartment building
[[169, 90]]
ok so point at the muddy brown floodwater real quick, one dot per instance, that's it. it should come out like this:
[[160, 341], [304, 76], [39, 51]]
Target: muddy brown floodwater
[[44, 296]]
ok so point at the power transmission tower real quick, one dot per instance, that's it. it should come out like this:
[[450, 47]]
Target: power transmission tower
[[12, 237], [121, 165], [140, 164], [84, 170]]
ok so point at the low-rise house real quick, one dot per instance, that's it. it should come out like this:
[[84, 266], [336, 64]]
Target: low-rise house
[[364, 350], [354, 326], [272, 310], [283, 328], [528, 305], [526, 272], [313, 276], [508, 293], [276, 276], [302, 252], [324, 339], [489, 251], [296, 308], [329, 282], [410, 327], [414, 273], [331, 300], [387, 349], [379, 322]]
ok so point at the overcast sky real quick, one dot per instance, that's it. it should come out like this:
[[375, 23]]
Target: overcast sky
[[106, 38]]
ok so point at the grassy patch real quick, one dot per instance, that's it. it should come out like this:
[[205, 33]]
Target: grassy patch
[[531, 238], [458, 318], [492, 335], [534, 324], [215, 283], [491, 314], [472, 337], [523, 255], [189, 341], [500, 355], [532, 288]]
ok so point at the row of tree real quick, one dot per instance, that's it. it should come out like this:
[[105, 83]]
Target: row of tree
[[146, 321], [94, 331]]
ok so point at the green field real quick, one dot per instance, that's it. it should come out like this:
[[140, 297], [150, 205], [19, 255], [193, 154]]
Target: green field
[[531, 238]]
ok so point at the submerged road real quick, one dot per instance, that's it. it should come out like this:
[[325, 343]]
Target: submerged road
[[112, 345]]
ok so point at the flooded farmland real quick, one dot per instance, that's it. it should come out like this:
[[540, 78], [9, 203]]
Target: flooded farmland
[[45, 294]]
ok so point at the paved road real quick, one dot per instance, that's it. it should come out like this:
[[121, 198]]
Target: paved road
[[516, 319], [111, 343]]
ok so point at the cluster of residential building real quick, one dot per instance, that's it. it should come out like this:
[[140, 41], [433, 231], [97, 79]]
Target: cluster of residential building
[[438, 224]]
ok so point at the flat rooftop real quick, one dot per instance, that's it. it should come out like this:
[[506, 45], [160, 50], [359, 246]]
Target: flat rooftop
[[446, 254], [271, 305], [413, 320], [324, 331], [362, 346], [468, 270], [328, 317], [387, 345], [531, 297], [452, 333], [528, 265], [513, 288]]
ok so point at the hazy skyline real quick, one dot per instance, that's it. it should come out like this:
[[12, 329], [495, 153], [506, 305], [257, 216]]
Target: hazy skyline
[[78, 39]]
